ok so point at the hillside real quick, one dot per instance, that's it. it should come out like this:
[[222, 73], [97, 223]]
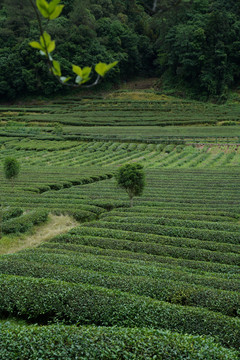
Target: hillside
[[159, 280]]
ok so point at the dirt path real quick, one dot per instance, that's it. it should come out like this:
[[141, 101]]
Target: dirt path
[[56, 225]]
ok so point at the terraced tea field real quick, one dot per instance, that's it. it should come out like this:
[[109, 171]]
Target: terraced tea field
[[159, 280], [71, 154]]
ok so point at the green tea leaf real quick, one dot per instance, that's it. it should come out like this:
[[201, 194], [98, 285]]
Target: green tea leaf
[[102, 68], [56, 12], [47, 44], [64, 79], [56, 68], [45, 39], [83, 74], [52, 5], [51, 46], [78, 80], [42, 6], [36, 45], [77, 70]]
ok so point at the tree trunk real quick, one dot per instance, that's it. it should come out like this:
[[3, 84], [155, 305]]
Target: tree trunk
[[1, 219], [131, 202]]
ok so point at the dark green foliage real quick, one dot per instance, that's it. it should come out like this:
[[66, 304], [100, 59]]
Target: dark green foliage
[[193, 46], [199, 49], [105, 343], [45, 300], [24, 222], [86, 33], [131, 178], [11, 213], [11, 168], [176, 292]]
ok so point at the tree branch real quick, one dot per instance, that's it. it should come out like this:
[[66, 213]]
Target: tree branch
[[41, 32]]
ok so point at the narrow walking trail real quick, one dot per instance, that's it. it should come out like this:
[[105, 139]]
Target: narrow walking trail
[[57, 224]]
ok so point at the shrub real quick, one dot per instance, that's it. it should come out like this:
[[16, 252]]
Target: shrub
[[11, 213], [25, 222], [105, 343], [46, 300]]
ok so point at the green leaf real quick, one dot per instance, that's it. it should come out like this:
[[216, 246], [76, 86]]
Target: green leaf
[[64, 79], [86, 72], [45, 39], [52, 5], [102, 68], [49, 10], [46, 42], [56, 68], [42, 6], [42, 52], [56, 12], [51, 46], [36, 45], [77, 70], [82, 74], [78, 80]]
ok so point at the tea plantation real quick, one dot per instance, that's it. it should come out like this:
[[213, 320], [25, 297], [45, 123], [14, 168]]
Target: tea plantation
[[159, 280]]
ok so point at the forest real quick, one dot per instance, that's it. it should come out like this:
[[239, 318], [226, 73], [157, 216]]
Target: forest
[[191, 46]]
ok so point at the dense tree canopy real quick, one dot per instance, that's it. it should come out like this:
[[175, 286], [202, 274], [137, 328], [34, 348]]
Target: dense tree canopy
[[191, 44]]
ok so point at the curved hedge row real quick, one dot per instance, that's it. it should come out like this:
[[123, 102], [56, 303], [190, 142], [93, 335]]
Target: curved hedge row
[[58, 342], [175, 292], [46, 300], [227, 271], [24, 222], [230, 282], [218, 216], [175, 251], [201, 234], [8, 214], [117, 216]]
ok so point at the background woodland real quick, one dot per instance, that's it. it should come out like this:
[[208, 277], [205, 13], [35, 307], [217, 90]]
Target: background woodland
[[190, 46]]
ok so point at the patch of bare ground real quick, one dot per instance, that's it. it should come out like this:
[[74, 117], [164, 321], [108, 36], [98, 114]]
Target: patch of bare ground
[[140, 84], [56, 224]]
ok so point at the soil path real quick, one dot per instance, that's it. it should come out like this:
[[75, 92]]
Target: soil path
[[57, 224]]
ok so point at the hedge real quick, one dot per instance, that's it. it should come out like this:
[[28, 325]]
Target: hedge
[[25, 222], [151, 248], [160, 270], [43, 300], [163, 220], [176, 292], [201, 234], [58, 342], [223, 270], [8, 214], [179, 214]]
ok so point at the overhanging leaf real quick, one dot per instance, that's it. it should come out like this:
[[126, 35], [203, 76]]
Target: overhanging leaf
[[78, 79], [56, 12], [56, 68], [77, 70], [47, 44], [45, 39], [64, 79], [36, 45], [102, 68], [42, 6], [52, 5]]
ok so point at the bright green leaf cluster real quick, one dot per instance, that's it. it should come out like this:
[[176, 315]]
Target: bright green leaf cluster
[[49, 10], [83, 75], [46, 45]]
